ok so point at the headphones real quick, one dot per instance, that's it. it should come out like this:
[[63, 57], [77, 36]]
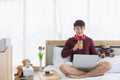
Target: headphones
[[76, 37]]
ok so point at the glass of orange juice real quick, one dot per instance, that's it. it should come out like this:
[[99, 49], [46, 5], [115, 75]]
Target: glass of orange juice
[[80, 44]]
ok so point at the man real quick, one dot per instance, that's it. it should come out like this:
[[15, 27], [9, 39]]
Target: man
[[81, 44]]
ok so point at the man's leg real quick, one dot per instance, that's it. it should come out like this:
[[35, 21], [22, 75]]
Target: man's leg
[[100, 69], [70, 70]]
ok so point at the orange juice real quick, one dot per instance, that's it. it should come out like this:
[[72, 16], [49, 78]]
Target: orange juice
[[80, 44]]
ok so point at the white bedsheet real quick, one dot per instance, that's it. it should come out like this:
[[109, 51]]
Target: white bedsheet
[[108, 76]]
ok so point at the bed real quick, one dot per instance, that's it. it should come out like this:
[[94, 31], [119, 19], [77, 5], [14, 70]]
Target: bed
[[53, 50]]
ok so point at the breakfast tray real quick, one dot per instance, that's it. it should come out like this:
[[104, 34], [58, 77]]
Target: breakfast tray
[[54, 76]]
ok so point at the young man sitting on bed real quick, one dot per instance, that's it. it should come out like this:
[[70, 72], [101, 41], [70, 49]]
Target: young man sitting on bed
[[72, 46]]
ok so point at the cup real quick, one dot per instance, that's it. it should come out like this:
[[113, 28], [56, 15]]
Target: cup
[[80, 45]]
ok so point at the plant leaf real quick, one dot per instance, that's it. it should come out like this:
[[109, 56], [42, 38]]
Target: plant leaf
[[40, 55]]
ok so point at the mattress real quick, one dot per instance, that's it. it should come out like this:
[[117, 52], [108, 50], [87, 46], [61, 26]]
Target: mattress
[[107, 76]]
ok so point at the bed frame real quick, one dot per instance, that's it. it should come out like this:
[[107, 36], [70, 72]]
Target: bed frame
[[52, 43]]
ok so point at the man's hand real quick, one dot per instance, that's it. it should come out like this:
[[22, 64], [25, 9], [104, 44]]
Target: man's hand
[[76, 47]]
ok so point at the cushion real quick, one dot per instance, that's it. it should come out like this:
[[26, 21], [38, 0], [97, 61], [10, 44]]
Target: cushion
[[57, 58]]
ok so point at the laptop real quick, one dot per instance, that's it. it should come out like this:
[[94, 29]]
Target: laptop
[[85, 61]]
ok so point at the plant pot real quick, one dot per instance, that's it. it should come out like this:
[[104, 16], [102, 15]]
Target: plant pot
[[40, 63]]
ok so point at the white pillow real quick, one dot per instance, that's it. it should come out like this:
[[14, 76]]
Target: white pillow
[[57, 58], [115, 63]]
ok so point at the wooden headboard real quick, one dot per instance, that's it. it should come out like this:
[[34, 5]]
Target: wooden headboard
[[52, 43]]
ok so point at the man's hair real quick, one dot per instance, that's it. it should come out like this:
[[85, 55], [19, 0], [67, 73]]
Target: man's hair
[[80, 23]]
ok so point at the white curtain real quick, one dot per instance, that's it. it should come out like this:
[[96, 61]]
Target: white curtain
[[11, 26], [101, 18], [39, 27], [104, 19], [29, 23], [66, 12]]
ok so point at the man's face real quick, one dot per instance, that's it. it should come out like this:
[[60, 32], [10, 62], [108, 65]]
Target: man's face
[[79, 30]]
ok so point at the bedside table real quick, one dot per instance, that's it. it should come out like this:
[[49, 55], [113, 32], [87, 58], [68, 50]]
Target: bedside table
[[54, 76], [35, 77]]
